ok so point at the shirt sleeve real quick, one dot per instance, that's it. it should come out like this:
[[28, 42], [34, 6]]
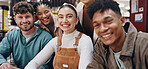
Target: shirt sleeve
[[5, 49], [86, 52], [39, 60]]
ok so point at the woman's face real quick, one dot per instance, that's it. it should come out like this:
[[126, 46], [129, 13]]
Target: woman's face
[[44, 14], [67, 20]]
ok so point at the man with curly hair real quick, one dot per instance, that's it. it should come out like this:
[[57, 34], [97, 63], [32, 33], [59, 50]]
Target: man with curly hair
[[26, 42]]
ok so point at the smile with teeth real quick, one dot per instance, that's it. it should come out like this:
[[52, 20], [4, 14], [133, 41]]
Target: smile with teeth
[[45, 19], [65, 25], [106, 35], [25, 24]]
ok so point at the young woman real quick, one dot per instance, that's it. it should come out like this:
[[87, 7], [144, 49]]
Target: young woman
[[73, 49], [44, 14]]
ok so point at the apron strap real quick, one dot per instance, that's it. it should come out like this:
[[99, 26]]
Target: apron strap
[[77, 39], [59, 41]]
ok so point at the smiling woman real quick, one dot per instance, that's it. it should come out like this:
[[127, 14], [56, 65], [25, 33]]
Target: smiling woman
[[73, 49], [43, 12], [67, 21]]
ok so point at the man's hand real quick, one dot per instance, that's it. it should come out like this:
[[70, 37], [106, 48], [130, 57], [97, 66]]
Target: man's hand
[[6, 66]]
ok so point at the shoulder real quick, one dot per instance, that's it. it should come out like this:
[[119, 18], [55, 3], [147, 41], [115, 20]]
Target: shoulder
[[80, 5], [86, 42], [44, 32], [84, 36], [85, 39], [142, 37], [52, 42], [142, 42], [54, 39], [14, 33], [43, 35]]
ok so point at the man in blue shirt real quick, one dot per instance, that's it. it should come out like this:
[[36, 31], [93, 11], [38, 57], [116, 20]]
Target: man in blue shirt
[[26, 42]]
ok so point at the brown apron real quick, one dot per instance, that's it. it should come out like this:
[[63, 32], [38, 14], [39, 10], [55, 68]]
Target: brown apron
[[67, 58]]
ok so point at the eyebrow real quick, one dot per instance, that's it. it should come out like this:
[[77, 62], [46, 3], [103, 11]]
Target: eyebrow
[[104, 19], [107, 17], [60, 15], [69, 14], [66, 14]]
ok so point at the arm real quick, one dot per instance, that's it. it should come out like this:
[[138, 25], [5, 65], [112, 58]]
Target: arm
[[42, 56], [86, 52], [5, 51]]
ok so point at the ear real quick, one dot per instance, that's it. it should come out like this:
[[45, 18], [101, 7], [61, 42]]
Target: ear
[[14, 18], [122, 21], [77, 20], [34, 17]]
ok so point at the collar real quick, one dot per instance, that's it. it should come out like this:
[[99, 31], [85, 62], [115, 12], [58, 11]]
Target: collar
[[128, 46], [37, 32]]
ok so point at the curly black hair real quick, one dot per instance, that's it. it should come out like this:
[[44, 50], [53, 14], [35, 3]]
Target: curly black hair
[[103, 5], [47, 3], [23, 7]]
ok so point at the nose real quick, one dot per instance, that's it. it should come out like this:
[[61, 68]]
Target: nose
[[24, 20], [65, 19], [44, 15], [103, 28]]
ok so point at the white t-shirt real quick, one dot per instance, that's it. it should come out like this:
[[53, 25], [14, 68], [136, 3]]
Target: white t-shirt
[[85, 50], [118, 61]]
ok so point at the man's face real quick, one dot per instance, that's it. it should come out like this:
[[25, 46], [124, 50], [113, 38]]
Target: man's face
[[24, 21], [108, 27]]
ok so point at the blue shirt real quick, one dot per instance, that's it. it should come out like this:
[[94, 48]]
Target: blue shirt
[[23, 51]]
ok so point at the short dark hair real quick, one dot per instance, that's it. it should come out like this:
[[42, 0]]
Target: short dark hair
[[103, 5], [23, 7], [47, 3]]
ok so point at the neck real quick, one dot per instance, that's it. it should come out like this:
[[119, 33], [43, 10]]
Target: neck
[[88, 3], [29, 32], [69, 32], [117, 47]]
